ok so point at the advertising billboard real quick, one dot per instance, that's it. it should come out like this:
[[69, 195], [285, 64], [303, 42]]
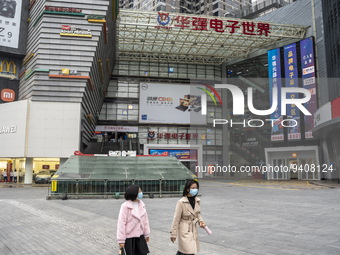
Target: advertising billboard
[[309, 82], [171, 104], [180, 154], [275, 80], [291, 78], [10, 21]]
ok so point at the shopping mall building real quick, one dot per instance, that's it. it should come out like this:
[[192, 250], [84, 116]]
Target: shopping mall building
[[94, 79]]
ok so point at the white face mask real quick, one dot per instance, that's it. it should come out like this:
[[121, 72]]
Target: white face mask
[[140, 195], [193, 192]]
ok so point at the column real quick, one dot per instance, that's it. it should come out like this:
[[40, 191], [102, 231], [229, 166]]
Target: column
[[28, 170], [225, 129]]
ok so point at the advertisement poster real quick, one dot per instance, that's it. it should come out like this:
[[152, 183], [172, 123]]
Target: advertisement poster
[[291, 75], [309, 82], [10, 16], [275, 81], [170, 103], [179, 154]]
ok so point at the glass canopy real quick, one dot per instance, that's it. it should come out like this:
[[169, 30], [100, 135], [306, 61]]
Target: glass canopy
[[178, 37]]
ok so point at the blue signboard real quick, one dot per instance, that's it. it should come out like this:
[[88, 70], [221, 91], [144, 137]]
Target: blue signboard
[[291, 75], [309, 82], [275, 81], [181, 154]]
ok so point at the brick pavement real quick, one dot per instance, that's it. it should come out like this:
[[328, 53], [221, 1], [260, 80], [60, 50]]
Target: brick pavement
[[249, 218]]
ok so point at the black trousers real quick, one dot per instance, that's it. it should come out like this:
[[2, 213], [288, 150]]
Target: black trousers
[[180, 253], [136, 246]]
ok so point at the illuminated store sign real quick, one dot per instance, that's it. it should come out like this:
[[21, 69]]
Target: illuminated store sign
[[275, 81], [96, 18], [116, 129], [75, 31], [8, 69], [291, 75], [63, 11], [309, 81], [7, 95], [178, 153], [66, 71], [218, 25], [152, 135]]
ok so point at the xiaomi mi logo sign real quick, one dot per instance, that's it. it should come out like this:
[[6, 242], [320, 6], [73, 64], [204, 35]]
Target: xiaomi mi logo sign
[[7, 95]]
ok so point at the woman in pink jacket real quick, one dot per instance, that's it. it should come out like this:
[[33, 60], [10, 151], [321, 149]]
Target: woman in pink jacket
[[133, 228]]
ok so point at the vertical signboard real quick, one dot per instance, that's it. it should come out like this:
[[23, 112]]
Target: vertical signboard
[[309, 82], [291, 75], [275, 81], [10, 16]]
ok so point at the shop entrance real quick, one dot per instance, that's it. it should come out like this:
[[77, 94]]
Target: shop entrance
[[292, 163]]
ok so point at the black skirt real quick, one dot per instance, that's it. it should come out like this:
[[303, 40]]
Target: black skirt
[[136, 246]]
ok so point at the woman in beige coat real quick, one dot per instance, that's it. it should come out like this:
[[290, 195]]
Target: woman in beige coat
[[184, 224]]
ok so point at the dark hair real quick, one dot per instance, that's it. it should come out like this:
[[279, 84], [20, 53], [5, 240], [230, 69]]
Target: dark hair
[[131, 192], [188, 185]]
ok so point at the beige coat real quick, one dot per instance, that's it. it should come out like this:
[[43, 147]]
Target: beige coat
[[185, 226]]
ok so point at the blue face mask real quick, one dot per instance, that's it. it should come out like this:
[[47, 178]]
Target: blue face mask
[[140, 195], [193, 192]]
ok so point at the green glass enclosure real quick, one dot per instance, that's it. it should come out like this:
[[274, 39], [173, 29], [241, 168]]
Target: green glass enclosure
[[84, 176]]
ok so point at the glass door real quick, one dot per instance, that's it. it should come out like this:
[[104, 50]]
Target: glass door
[[309, 169], [293, 164], [278, 170]]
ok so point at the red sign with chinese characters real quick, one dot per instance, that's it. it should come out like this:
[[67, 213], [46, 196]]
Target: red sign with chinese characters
[[218, 25], [172, 136], [62, 9]]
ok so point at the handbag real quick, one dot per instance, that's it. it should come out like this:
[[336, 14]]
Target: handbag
[[122, 251]]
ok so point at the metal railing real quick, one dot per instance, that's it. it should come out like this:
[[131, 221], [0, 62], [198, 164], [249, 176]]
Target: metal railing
[[112, 188]]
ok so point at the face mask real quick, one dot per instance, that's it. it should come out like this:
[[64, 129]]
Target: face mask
[[193, 192], [140, 195]]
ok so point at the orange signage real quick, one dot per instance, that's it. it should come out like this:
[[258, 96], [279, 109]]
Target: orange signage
[[7, 95]]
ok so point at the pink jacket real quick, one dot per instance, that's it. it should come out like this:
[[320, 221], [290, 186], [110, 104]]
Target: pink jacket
[[132, 223]]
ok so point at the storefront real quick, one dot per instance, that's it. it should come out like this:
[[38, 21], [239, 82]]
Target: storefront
[[286, 163], [36, 136], [18, 168]]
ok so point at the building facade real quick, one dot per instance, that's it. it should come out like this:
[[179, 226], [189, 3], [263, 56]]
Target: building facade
[[263, 7], [63, 80], [328, 117], [93, 85], [223, 8]]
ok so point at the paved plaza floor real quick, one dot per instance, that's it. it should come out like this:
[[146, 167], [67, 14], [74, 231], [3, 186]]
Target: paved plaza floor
[[246, 217]]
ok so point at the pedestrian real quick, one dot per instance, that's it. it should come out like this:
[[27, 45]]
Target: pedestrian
[[133, 228], [21, 175], [184, 224], [5, 176], [11, 176], [15, 176]]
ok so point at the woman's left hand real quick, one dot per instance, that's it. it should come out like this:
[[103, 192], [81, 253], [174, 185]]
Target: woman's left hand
[[202, 224], [147, 239]]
